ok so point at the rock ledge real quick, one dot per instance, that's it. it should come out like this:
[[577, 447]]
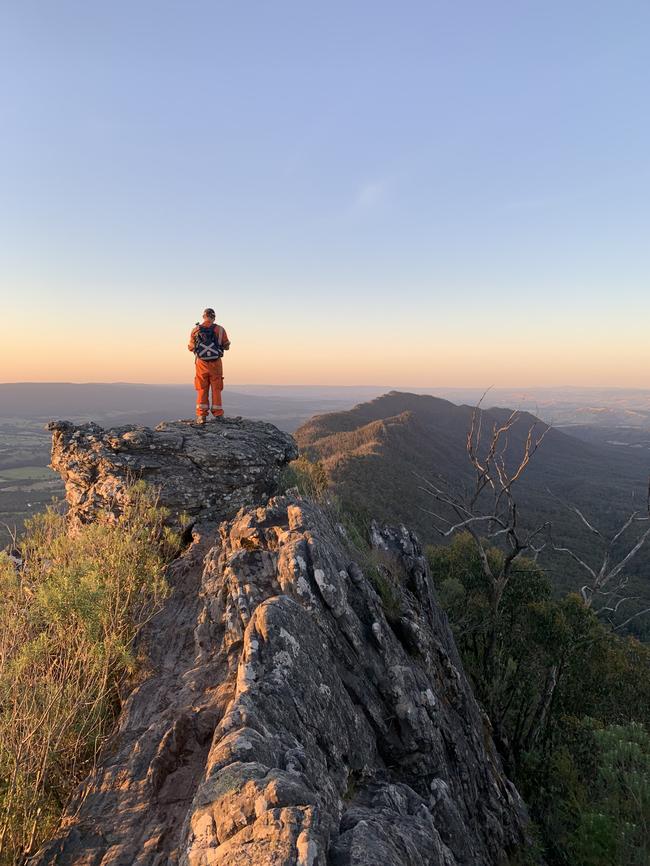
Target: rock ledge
[[207, 472]]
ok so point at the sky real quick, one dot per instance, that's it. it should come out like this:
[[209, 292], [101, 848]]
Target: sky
[[417, 193]]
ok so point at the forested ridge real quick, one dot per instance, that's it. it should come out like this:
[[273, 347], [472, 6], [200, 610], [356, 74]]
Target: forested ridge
[[380, 456]]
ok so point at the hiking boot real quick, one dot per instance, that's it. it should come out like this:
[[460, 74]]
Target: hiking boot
[[201, 419]]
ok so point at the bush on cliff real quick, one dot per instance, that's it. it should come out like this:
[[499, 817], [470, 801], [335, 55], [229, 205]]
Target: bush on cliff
[[68, 620], [307, 476]]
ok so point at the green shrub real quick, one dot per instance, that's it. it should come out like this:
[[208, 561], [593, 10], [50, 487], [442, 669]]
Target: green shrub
[[68, 620], [355, 522], [310, 478], [614, 826]]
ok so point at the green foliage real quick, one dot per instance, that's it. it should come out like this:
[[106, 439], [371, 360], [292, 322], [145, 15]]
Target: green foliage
[[510, 688], [309, 477], [565, 698], [355, 522], [68, 620], [614, 827], [591, 794]]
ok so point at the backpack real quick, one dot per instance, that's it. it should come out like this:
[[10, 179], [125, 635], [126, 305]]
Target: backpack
[[207, 343]]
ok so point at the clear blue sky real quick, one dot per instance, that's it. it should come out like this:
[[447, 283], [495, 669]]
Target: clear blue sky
[[451, 184]]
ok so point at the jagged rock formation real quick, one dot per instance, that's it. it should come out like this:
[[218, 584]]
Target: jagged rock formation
[[207, 472], [305, 705]]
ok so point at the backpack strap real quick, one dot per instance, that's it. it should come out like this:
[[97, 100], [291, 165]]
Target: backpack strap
[[217, 334]]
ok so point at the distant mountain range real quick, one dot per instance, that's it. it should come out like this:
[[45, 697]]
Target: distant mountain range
[[564, 406], [123, 403], [377, 453], [624, 409]]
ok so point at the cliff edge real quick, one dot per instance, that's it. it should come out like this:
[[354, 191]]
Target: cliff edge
[[303, 705]]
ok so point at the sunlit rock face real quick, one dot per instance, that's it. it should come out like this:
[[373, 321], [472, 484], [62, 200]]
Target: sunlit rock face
[[207, 473], [302, 706]]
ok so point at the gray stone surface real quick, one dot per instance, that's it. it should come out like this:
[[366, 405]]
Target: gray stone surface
[[304, 706], [208, 472]]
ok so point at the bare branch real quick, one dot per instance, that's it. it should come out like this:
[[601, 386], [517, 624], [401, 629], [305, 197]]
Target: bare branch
[[621, 565], [626, 525], [620, 602], [630, 618], [577, 512], [577, 559], [466, 523], [485, 563], [535, 532]]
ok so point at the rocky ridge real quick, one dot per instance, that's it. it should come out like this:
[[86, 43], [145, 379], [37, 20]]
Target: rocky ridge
[[305, 704]]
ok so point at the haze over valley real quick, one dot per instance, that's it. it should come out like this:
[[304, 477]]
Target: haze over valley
[[288, 406]]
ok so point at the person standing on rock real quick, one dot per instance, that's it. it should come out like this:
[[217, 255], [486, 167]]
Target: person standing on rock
[[208, 341]]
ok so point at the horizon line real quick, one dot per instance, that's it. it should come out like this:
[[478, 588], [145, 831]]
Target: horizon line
[[412, 388]]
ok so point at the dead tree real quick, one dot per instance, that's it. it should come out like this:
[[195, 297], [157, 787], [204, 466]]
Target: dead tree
[[605, 591], [488, 510]]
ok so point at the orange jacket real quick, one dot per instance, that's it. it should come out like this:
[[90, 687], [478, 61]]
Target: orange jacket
[[225, 342]]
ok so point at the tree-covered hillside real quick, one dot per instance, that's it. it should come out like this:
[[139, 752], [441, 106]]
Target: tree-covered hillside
[[379, 456]]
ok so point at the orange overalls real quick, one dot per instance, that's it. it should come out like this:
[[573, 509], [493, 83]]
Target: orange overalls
[[209, 376]]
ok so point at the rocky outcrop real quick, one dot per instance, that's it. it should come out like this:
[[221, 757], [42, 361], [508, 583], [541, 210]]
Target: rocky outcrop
[[207, 473], [305, 705]]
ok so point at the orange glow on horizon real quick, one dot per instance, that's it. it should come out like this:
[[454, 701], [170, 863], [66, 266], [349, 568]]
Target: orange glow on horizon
[[422, 354], [457, 366]]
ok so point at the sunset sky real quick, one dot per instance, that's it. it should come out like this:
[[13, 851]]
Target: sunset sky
[[415, 193]]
